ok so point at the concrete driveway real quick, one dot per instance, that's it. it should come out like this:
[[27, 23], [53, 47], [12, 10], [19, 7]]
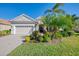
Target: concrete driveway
[[9, 43]]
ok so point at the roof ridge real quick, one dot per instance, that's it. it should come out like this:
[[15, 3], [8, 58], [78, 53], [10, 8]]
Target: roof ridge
[[24, 15], [27, 16]]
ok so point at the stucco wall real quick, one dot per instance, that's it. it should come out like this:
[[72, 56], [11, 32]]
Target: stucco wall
[[4, 27]]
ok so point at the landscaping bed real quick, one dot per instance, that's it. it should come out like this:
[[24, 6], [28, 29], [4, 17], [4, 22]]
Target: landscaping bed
[[68, 47]]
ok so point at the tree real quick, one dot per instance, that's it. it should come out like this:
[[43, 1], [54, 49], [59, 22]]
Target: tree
[[74, 17], [74, 20], [55, 10], [56, 22], [46, 21], [76, 27]]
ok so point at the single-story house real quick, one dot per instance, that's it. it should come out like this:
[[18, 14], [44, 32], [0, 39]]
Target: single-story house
[[23, 24], [5, 25]]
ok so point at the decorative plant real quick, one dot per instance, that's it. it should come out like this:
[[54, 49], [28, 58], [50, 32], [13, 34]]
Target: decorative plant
[[35, 35], [27, 39]]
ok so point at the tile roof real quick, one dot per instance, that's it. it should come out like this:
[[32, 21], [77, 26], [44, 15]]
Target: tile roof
[[2, 21]]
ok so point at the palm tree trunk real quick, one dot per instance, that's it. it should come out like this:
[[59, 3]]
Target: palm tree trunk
[[55, 29]]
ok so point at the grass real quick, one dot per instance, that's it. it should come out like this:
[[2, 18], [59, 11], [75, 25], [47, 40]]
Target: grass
[[68, 47]]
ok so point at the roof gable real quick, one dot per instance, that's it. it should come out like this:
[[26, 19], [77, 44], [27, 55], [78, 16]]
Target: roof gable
[[23, 17]]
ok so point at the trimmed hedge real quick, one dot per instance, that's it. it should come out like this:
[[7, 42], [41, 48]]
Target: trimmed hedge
[[5, 32]]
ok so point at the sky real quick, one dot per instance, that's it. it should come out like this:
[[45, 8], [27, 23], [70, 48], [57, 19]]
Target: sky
[[9, 11]]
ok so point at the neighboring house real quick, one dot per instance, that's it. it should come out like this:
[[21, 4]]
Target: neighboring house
[[4, 25], [23, 24]]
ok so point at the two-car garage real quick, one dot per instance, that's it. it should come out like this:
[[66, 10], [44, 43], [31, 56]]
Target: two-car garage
[[23, 25], [21, 29]]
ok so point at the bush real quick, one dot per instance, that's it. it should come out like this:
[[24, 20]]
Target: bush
[[41, 38], [35, 35], [46, 37], [67, 33], [70, 33], [76, 34], [27, 39], [64, 33], [5, 32], [58, 35]]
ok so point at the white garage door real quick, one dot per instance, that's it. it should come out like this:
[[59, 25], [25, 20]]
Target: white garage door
[[24, 30]]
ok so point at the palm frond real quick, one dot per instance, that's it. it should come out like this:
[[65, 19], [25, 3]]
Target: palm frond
[[48, 11], [59, 11], [57, 5], [75, 17]]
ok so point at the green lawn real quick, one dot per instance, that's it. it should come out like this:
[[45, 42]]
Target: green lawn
[[68, 47]]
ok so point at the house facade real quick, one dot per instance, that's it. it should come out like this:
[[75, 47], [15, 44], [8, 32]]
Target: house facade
[[23, 25], [4, 25]]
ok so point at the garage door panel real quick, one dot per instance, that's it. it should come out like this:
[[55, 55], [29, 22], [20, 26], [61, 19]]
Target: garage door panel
[[26, 30]]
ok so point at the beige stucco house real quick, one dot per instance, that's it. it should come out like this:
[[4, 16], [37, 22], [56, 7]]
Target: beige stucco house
[[4, 25]]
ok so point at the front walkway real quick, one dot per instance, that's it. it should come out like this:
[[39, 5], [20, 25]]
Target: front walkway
[[9, 43]]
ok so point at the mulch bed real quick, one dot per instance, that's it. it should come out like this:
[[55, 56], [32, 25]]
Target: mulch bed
[[52, 42], [55, 41]]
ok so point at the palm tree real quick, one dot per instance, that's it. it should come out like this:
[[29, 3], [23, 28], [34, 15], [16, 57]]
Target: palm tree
[[74, 17], [56, 19], [46, 21], [56, 22], [55, 9]]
